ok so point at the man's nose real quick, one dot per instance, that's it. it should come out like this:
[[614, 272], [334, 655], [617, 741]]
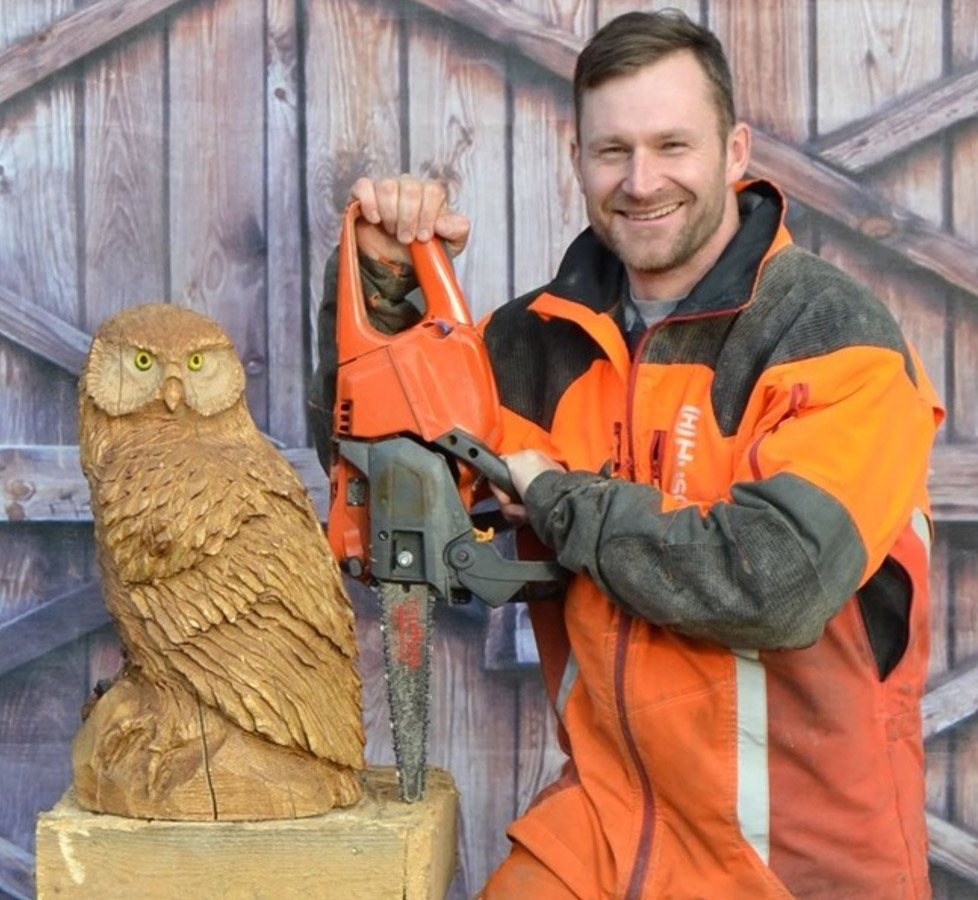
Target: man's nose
[[644, 178]]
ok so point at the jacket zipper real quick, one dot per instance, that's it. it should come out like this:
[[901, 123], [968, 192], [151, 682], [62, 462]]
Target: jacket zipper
[[625, 621], [797, 399], [656, 454]]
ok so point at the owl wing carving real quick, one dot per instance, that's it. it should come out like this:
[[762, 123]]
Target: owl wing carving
[[225, 584]]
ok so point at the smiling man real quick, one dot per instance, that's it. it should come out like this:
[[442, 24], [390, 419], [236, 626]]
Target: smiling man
[[725, 440]]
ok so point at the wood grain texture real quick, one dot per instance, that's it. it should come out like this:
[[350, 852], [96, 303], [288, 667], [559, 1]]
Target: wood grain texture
[[540, 758], [380, 850], [38, 239], [16, 872], [216, 176], [548, 209], [872, 52], [771, 83], [964, 581], [124, 178], [69, 615], [608, 9], [70, 37], [898, 126], [353, 86], [964, 217], [43, 333], [457, 116], [955, 849], [287, 313]]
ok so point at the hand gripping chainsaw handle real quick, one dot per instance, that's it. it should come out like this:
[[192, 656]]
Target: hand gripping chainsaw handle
[[416, 419]]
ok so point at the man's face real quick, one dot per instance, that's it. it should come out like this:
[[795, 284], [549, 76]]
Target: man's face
[[656, 174]]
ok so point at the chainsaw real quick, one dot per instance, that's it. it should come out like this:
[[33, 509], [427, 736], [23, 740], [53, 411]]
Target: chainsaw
[[415, 425]]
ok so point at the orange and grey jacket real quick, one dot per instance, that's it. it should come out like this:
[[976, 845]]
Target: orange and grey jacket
[[738, 662], [737, 665]]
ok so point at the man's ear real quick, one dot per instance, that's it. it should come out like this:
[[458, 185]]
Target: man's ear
[[738, 152], [575, 155]]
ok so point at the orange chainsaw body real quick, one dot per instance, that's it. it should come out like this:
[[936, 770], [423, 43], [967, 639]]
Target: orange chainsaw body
[[424, 382]]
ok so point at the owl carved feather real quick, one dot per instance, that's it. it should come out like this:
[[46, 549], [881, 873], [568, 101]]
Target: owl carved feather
[[229, 605]]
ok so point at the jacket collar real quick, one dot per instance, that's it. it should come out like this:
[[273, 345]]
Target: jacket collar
[[592, 275]]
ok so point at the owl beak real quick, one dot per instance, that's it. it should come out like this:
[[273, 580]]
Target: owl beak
[[172, 393]]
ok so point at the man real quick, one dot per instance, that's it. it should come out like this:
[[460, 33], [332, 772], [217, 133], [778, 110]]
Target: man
[[726, 440]]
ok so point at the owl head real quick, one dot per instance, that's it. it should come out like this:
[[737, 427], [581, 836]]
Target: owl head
[[165, 355]]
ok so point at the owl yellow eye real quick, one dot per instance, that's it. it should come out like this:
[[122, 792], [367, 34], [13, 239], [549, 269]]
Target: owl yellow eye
[[195, 361], [143, 360]]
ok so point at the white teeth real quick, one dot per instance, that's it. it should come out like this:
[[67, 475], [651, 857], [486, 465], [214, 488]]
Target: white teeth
[[656, 213]]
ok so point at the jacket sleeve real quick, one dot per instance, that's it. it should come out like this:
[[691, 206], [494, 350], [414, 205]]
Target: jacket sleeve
[[385, 288], [821, 489]]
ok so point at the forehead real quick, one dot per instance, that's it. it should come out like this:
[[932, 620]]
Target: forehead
[[163, 328], [672, 93]]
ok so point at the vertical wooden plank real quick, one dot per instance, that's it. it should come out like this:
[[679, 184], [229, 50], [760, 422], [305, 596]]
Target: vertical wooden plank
[[353, 128], [125, 244], [548, 209], [540, 757], [608, 9], [286, 310], [38, 241], [38, 260], [964, 216], [457, 116], [217, 214], [771, 83]]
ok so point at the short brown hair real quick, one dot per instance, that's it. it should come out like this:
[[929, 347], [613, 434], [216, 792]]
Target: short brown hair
[[636, 39]]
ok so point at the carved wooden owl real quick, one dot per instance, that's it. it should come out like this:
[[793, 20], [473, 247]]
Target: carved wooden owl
[[235, 623]]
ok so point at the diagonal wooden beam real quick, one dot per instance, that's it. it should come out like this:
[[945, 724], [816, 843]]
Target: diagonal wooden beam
[[898, 126], [38, 631], [44, 483], [16, 871], [952, 700], [42, 332], [24, 64], [953, 848], [815, 184]]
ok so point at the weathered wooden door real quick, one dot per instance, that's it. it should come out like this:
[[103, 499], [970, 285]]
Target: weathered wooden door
[[203, 150]]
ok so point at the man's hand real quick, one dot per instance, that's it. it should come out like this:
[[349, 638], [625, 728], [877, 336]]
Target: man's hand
[[397, 211], [523, 468]]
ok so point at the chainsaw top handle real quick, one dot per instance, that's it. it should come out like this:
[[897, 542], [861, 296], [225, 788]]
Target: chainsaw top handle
[[444, 300]]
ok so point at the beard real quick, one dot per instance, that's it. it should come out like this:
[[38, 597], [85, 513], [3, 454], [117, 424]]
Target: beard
[[659, 253]]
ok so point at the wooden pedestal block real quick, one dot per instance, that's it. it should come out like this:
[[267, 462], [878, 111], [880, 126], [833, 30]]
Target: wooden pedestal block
[[380, 849]]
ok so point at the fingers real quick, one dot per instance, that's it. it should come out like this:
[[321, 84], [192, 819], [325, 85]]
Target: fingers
[[410, 208]]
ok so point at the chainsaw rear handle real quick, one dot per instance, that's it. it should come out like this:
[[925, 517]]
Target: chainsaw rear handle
[[444, 301]]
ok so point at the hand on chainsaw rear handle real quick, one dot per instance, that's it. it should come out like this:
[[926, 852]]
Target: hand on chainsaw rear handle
[[397, 211], [523, 467]]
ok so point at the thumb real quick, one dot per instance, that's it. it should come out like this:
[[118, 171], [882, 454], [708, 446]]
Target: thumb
[[453, 229]]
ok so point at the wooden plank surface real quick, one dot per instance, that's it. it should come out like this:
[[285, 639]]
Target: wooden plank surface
[[540, 758], [457, 118], [379, 849], [16, 872], [964, 219], [609, 9], [124, 178], [69, 38], [897, 126], [51, 624], [771, 77], [216, 176], [287, 354], [353, 114], [43, 333], [548, 210]]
